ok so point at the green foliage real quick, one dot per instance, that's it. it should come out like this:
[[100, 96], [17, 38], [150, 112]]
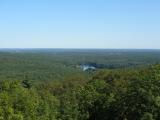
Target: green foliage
[[51, 87], [19, 103], [52, 64], [147, 116]]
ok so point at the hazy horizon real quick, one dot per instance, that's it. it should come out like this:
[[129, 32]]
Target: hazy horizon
[[81, 24], [77, 48]]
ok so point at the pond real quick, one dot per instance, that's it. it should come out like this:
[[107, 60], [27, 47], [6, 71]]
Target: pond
[[87, 67]]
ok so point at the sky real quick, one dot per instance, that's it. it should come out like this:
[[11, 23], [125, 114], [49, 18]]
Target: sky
[[80, 24]]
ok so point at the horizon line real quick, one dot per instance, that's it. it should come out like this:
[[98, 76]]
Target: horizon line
[[82, 48]]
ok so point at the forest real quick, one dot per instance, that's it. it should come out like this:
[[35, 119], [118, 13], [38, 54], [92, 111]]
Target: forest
[[49, 84]]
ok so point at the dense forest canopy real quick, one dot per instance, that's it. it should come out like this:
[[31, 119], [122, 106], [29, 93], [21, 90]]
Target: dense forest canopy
[[53, 64], [38, 84]]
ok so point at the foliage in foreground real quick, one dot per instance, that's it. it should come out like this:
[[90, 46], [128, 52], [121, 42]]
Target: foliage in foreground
[[109, 95]]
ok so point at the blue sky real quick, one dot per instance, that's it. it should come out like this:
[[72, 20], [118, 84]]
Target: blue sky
[[80, 24]]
